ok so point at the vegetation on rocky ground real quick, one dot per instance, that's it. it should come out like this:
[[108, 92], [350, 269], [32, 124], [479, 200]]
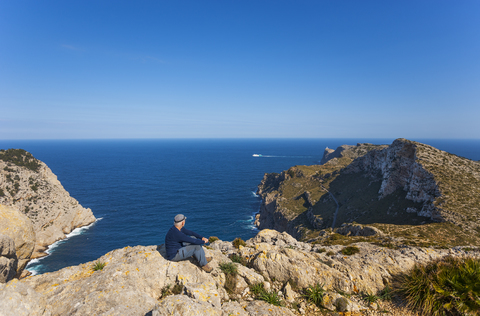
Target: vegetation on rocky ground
[[237, 242], [21, 158], [314, 294], [230, 270], [97, 266], [259, 292], [444, 287]]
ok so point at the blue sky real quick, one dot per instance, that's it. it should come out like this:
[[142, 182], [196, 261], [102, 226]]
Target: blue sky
[[239, 69]]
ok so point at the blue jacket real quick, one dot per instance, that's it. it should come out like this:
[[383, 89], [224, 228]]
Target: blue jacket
[[175, 237]]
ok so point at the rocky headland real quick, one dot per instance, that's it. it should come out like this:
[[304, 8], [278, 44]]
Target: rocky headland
[[35, 209], [408, 193]]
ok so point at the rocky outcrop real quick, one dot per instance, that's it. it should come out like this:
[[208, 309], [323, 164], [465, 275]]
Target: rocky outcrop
[[400, 169], [28, 185], [135, 280], [17, 231], [8, 259], [349, 151]]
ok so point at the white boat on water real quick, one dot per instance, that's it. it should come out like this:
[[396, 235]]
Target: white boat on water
[[257, 155]]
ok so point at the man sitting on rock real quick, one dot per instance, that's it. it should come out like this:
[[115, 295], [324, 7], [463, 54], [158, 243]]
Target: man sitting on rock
[[181, 244]]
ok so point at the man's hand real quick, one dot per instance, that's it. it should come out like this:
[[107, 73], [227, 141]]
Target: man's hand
[[205, 240]]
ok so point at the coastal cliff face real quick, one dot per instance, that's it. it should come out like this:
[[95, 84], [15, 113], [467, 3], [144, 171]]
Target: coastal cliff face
[[29, 186], [407, 186], [17, 241], [140, 281]]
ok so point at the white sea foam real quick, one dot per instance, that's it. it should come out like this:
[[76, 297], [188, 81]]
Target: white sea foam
[[255, 194], [51, 248]]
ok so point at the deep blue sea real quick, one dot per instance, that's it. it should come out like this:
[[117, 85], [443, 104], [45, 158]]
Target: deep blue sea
[[136, 187]]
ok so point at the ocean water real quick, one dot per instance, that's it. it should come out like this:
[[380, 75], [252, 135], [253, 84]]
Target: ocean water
[[136, 187]]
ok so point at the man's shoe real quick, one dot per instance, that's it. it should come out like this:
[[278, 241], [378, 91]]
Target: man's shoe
[[209, 259], [207, 268]]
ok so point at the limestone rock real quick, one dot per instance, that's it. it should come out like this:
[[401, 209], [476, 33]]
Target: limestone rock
[[336, 302], [20, 299], [19, 228], [349, 151], [290, 295], [260, 308], [134, 279], [8, 259], [358, 230]]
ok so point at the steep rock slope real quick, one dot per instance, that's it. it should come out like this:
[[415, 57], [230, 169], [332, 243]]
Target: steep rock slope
[[30, 186]]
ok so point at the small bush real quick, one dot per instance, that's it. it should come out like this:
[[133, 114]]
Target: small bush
[[350, 250], [320, 250], [386, 293], [370, 298], [448, 286], [228, 268], [314, 294], [238, 259], [271, 298], [212, 239], [237, 242], [258, 290], [169, 290], [98, 266], [20, 158], [330, 253]]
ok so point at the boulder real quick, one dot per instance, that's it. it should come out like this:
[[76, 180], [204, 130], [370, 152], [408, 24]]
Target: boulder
[[19, 228], [8, 259]]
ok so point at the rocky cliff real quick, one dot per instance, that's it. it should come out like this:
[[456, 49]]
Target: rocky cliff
[[29, 186], [140, 281], [17, 241], [408, 190]]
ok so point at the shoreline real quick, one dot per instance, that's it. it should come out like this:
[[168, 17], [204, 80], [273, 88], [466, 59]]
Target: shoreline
[[49, 249]]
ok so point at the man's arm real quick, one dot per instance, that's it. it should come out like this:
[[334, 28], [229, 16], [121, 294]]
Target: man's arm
[[184, 236], [191, 233]]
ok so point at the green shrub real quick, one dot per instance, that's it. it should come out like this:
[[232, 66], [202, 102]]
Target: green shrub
[[330, 253], [98, 266], [370, 298], [238, 259], [320, 250], [386, 293], [237, 242], [444, 287], [258, 290], [212, 239], [350, 250], [169, 290], [314, 294], [271, 298], [230, 270], [20, 158]]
